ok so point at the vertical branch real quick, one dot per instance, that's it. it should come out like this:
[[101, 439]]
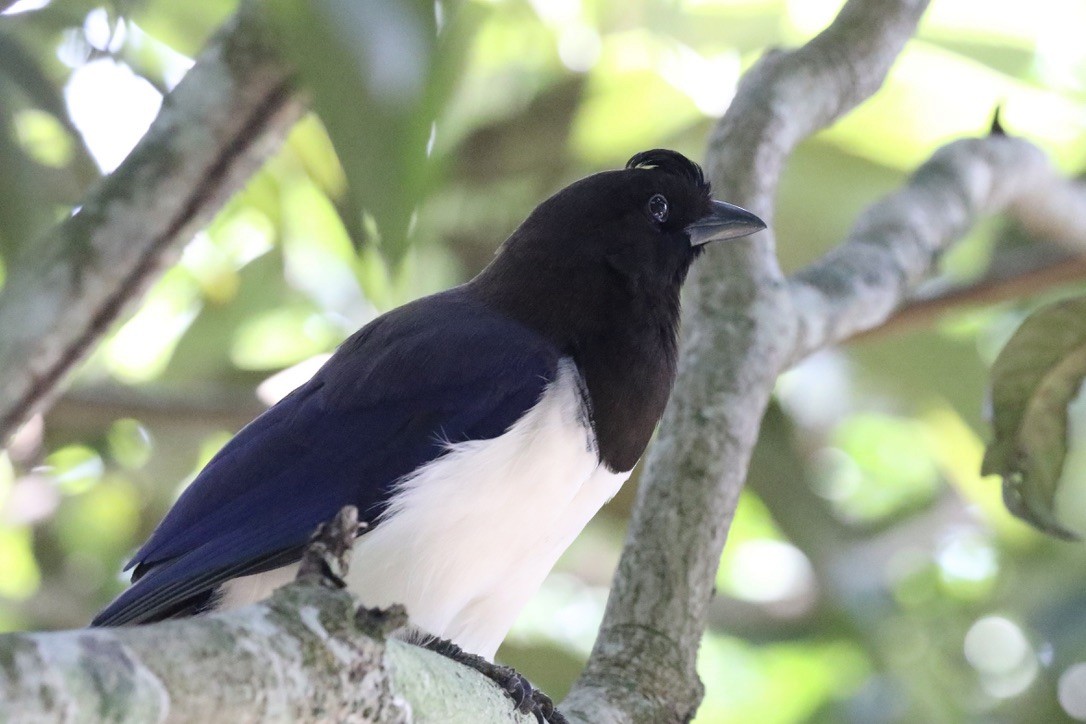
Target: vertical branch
[[738, 334]]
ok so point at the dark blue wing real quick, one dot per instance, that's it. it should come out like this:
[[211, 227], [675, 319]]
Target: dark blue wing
[[443, 369]]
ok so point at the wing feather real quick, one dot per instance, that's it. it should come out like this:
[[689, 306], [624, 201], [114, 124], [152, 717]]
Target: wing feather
[[442, 370]]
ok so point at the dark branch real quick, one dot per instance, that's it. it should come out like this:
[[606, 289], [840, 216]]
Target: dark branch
[[1029, 277]]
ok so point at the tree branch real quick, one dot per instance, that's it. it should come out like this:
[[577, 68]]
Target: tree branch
[[894, 245], [306, 654], [63, 291], [739, 331], [1028, 276], [231, 407]]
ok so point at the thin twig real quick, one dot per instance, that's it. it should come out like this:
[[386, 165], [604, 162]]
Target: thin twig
[[220, 405], [992, 289]]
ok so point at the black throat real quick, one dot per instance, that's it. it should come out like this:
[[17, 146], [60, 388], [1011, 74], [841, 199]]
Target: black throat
[[620, 328]]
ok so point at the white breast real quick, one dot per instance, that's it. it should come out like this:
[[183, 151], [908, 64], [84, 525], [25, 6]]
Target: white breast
[[469, 537]]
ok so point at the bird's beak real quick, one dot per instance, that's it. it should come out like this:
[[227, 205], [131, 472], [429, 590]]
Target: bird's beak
[[725, 221]]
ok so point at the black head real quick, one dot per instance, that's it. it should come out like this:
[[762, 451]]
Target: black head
[[597, 269], [626, 233]]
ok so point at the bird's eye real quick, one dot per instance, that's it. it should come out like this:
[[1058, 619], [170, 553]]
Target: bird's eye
[[658, 208]]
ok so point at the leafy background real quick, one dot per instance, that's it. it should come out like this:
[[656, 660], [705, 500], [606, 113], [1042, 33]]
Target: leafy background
[[871, 575]]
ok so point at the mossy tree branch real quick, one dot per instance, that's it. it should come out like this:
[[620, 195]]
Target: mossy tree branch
[[65, 290]]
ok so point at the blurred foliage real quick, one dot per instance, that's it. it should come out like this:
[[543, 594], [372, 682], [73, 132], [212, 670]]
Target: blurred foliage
[[871, 574]]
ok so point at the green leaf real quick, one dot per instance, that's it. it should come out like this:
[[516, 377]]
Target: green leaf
[[379, 73], [184, 27], [1035, 378]]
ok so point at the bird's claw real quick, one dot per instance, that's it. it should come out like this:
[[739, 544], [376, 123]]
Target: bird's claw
[[544, 709], [328, 553], [516, 686], [526, 698]]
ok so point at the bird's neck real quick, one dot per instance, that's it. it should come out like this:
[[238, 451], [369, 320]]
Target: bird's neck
[[623, 339]]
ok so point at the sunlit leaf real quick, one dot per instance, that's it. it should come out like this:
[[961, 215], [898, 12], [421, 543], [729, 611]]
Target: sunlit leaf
[[309, 140], [76, 468], [19, 574], [778, 684], [141, 348], [102, 520], [1034, 379], [747, 25], [202, 353], [282, 337], [184, 26], [512, 62], [628, 105], [881, 466], [129, 443], [43, 138], [212, 269]]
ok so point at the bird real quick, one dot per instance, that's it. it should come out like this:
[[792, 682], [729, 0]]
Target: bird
[[476, 430]]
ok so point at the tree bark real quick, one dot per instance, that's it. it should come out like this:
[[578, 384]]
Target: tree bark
[[224, 119], [895, 243], [306, 654], [739, 331]]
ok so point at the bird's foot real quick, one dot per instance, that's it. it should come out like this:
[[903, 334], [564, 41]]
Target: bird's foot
[[526, 698], [380, 623], [328, 553]]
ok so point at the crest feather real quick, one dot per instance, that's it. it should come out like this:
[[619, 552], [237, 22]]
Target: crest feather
[[672, 162]]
